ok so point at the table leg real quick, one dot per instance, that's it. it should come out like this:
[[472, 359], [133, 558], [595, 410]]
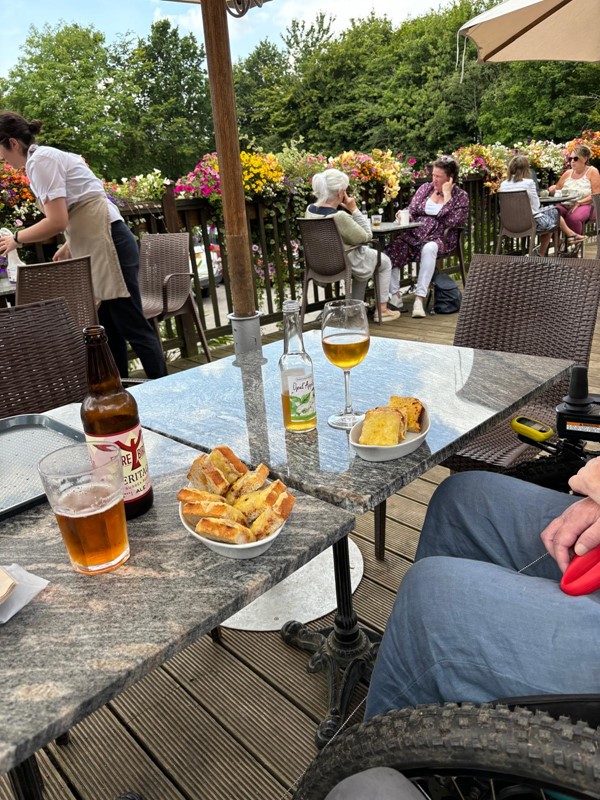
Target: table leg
[[345, 647], [379, 512], [26, 780]]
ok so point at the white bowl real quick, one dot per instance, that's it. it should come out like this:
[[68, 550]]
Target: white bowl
[[250, 550], [371, 452]]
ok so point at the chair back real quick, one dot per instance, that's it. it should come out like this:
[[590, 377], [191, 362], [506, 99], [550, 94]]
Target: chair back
[[71, 279], [596, 201], [516, 217], [538, 306], [324, 252], [42, 358], [165, 274]]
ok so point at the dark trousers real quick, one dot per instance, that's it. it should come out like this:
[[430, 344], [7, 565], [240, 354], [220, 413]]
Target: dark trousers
[[123, 318]]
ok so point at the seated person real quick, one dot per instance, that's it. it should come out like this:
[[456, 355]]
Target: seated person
[[438, 205], [519, 179], [329, 188], [480, 615], [582, 181]]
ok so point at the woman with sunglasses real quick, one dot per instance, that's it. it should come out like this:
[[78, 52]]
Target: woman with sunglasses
[[582, 181]]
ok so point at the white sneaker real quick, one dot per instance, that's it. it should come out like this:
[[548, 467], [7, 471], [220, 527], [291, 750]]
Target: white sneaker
[[395, 301], [418, 310]]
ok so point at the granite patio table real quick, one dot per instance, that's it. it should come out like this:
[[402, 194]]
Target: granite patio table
[[85, 638], [237, 401]]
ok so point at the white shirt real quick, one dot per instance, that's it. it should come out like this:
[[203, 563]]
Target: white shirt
[[432, 209], [526, 185], [54, 173]]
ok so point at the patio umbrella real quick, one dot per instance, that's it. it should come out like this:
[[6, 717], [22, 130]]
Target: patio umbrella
[[245, 319], [537, 30]]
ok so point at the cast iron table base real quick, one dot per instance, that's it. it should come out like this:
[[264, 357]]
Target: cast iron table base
[[345, 648]]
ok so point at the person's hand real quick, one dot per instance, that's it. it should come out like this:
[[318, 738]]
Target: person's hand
[[552, 189], [577, 528], [7, 243], [447, 189], [62, 253], [587, 480], [349, 203]]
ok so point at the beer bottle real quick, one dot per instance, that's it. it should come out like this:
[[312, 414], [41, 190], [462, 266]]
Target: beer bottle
[[109, 413], [296, 371]]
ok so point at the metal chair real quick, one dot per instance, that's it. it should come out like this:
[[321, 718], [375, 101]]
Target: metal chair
[[42, 358], [519, 304], [71, 279], [326, 258], [165, 281], [517, 220]]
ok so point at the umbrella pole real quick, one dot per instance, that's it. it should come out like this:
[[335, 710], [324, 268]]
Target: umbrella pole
[[245, 319]]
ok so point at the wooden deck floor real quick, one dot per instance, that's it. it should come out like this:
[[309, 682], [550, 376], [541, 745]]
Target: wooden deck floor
[[237, 719]]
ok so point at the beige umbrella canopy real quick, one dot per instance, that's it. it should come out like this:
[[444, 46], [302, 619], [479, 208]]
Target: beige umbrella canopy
[[245, 320], [537, 30]]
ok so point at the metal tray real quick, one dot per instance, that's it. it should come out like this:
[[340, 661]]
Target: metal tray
[[24, 440]]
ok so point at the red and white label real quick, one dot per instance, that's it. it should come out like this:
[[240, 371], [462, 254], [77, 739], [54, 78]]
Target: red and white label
[[136, 477]]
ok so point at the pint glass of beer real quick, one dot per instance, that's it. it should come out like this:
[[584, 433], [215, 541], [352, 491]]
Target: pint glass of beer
[[84, 486]]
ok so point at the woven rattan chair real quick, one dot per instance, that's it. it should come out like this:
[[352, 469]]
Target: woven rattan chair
[[42, 358], [71, 279], [459, 252], [519, 304], [517, 220], [596, 200], [165, 280], [326, 258]]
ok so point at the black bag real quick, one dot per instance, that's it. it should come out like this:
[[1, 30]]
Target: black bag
[[446, 294]]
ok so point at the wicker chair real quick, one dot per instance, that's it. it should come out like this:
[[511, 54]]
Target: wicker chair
[[42, 358], [517, 220], [518, 304], [458, 251], [326, 259], [165, 280], [71, 279]]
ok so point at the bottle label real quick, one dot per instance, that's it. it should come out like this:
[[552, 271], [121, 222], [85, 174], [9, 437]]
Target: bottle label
[[136, 477], [303, 406]]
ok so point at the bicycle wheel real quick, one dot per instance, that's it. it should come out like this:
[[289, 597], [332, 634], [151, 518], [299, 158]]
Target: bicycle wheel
[[466, 752]]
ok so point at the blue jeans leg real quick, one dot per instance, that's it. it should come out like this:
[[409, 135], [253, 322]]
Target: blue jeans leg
[[466, 626]]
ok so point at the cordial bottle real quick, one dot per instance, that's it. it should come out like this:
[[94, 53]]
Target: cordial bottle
[[109, 413], [296, 370]]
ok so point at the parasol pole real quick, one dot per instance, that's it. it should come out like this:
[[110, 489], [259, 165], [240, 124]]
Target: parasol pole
[[245, 319]]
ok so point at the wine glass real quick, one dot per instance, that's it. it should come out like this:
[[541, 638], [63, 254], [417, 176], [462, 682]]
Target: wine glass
[[345, 340]]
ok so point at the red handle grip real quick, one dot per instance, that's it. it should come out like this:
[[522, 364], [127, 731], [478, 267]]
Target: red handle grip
[[582, 576]]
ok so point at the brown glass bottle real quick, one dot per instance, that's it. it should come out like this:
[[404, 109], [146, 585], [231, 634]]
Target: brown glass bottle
[[110, 413]]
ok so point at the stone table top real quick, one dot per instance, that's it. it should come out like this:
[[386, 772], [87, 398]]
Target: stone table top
[[85, 638], [238, 403]]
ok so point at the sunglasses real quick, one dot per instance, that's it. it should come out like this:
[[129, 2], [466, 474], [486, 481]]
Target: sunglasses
[[573, 158]]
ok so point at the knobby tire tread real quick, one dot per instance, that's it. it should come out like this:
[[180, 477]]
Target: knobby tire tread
[[520, 744]]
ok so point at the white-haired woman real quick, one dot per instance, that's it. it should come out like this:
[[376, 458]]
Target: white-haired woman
[[334, 201]]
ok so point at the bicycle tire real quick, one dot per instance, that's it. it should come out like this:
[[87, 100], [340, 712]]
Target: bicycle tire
[[481, 742]]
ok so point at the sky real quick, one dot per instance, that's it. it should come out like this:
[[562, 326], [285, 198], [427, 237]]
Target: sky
[[114, 17]]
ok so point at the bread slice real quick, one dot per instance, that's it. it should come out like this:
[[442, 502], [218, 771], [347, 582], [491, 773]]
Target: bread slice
[[228, 463], [414, 410], [222, 530], [253, 504], [383, 426], [250, 482], [193, 512], [284, 504], [266, 523], [187, 495], [205, 476]]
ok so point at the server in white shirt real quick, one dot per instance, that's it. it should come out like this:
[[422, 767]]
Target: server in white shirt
[[74, 202]]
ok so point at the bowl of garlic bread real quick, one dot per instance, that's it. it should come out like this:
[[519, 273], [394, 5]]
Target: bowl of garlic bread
[[392, 431], [232, 510]]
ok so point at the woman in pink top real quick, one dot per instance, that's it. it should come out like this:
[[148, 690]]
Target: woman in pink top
[[582, 181]]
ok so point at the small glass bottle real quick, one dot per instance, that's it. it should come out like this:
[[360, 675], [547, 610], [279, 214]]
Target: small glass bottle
[[296, 370], [109, 413], [363, 209]]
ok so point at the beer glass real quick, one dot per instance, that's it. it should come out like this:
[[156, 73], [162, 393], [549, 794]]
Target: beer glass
[[345, 339], [84, 486]]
